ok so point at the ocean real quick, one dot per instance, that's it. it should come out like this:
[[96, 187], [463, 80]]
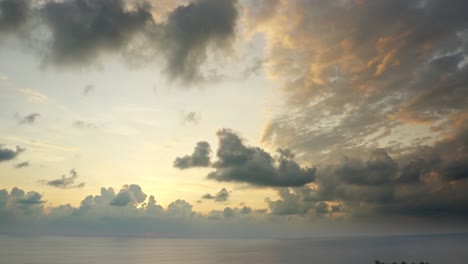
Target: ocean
[[435, 249]]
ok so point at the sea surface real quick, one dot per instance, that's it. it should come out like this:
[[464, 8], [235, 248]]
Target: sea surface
[[436, 249]]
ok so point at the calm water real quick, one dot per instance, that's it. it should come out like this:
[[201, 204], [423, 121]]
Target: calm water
[[79, 250]]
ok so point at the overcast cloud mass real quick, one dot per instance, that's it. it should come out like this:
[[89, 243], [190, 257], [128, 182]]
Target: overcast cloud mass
[[322, 117]]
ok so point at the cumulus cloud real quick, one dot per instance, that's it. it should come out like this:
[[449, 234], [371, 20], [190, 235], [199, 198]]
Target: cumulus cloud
[[29, 119], [129, 195], [240, 163], [221, 196], [8, 154], [199, 158], [66, 182]]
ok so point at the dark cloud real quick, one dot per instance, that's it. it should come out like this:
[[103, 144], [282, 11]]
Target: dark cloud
[[129, 195], [66, 182], [22, 165], [239, 163], [29, 119], [191, 118], [199, 158], [13, 14], [380, 170], [191, 29], [83, 29], [221, 196], [79, 33], [8, 154]]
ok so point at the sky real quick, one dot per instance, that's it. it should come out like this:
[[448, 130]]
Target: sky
[[233, 118]]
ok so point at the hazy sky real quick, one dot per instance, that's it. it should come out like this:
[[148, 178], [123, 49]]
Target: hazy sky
[[225, 117]]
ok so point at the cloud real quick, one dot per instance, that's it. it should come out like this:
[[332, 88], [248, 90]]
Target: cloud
[[82, 30], [22, 165], [191, 29], [199, 158], [8, 154], [240, 163], [80, 33], [88, 89], [29, 119], [191, 118], [221, 196], [129, 195], [66, 182], [33, 95], [363, 73], [13, 14], [83, 125]]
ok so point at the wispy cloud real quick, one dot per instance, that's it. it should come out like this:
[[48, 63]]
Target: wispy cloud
[[33, 95], [22, 165], [66, 182], [29, 119]]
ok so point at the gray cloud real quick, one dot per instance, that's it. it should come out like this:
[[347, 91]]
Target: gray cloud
[[83, 29], [8, 154], [405, 59], [239, 163], [29, 119], [66, 182], [88, 89], [191, 29], [22, 165], [13, 14], [81, 32], [199, 158], [191, 118], [221, 196], [83, 124], [129, 195]]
